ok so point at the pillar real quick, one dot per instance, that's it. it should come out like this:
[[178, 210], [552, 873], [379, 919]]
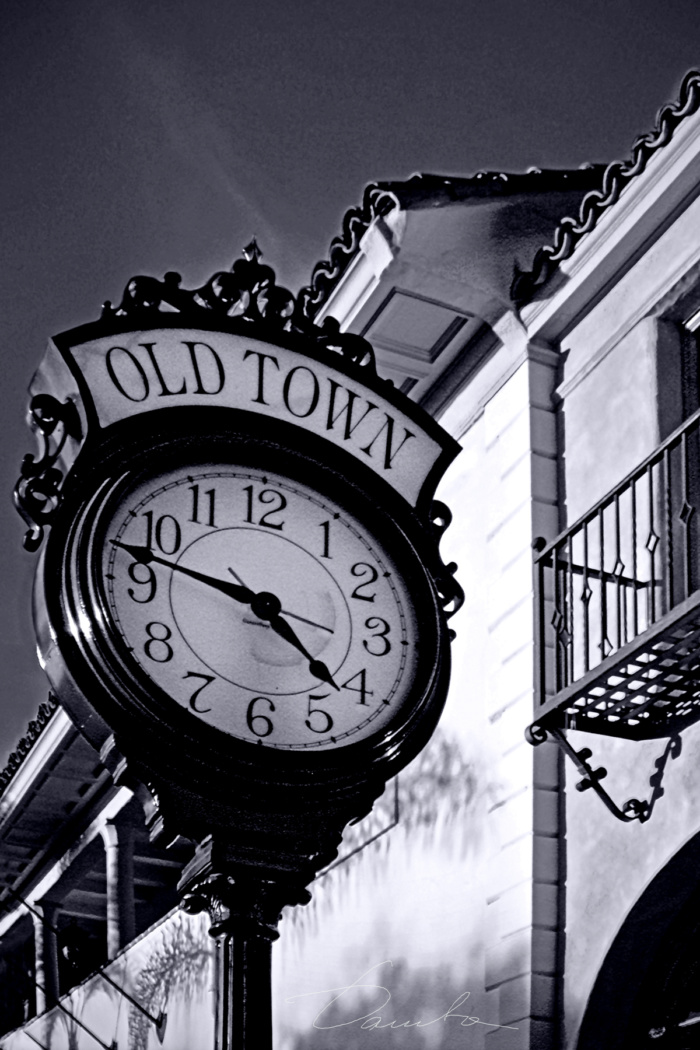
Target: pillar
[[119, 861], [45, 954]]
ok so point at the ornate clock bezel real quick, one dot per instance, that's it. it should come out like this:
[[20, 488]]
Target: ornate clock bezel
[[95, 656]]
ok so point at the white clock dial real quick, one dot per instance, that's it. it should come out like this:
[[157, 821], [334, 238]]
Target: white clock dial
[[260, 606]]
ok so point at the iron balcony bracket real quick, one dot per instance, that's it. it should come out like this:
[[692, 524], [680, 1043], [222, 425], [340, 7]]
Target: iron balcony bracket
[[633, 809]]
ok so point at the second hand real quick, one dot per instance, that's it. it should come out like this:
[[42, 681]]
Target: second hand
[[284, 612]]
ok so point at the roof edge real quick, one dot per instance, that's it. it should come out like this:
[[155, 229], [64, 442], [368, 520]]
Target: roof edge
[[26, 743], [615, 177], [376, 201], [426, 190]]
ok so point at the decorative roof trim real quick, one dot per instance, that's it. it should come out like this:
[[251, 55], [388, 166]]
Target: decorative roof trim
[[26, 743], [431, 191], [376, 202], [615, 177]]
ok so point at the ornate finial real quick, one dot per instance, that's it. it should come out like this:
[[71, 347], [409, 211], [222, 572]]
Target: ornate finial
[[252, 252], [248, 292]]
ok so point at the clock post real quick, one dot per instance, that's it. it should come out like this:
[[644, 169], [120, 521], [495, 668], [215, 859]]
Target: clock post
[[245, 914], [240, 598]]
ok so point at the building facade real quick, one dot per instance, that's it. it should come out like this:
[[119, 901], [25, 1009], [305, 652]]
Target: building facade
[[531, 879]]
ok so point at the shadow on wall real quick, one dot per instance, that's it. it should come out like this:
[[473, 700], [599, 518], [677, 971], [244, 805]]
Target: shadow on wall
[[179, 963], [168, 969], [62, 1026], [436, 794], [648, 985], [395, 1006]]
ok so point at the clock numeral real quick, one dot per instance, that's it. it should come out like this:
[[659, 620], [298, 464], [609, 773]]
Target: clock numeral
[[362, 568], [268, 496], [157, 647], [361, 688], [211, 494], [326, 526], [328, 723], [261, 725], [149, 581], [208, 679], [381, 636], [166, 532]]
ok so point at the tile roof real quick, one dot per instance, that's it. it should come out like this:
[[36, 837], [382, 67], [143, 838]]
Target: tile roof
[[601, 185], [615, 177], [431, 191]]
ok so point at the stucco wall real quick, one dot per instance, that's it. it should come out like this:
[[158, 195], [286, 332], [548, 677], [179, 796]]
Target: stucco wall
[[461, 897], [611, 864], [615, 413]]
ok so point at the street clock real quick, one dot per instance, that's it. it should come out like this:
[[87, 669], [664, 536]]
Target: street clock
[[241, 597]]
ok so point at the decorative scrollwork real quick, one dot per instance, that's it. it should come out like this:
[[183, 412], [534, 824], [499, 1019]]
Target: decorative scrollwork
[[248, 291], [449, 591], [535, 734], [377, 201], [352, 347], [633, 808], [25, 744], [37, 493]]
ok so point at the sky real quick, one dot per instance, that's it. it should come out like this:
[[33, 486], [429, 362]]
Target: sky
[[145, 137]]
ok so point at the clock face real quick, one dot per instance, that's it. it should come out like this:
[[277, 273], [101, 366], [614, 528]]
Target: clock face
[[260, 606]]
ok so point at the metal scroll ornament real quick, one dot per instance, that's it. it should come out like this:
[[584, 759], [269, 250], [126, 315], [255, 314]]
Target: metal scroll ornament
[[37, 493], [249, 291]]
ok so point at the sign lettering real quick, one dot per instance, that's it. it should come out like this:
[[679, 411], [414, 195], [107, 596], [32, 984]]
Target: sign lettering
[[143, 371]]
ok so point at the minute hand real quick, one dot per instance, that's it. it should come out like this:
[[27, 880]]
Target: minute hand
[[234, 590]]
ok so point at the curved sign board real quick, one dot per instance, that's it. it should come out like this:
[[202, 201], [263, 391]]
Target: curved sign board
[[115, 377]]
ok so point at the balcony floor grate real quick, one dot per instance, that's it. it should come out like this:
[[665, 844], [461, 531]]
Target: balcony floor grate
[[649, 688]]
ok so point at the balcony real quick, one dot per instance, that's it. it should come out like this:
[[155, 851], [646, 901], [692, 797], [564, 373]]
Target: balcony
[[617, 605]]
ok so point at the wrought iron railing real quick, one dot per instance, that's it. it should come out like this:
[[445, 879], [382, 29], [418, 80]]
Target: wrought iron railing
[[618, 603]]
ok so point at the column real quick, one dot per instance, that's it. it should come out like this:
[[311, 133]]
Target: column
[[524, 914], [119, 861], [45, 954]]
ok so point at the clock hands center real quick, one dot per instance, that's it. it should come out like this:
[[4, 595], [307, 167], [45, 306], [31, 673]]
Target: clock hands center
[[265, 606], [286, 612]]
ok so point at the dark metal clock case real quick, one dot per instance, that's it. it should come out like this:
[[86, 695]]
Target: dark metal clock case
[[164, 742]]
